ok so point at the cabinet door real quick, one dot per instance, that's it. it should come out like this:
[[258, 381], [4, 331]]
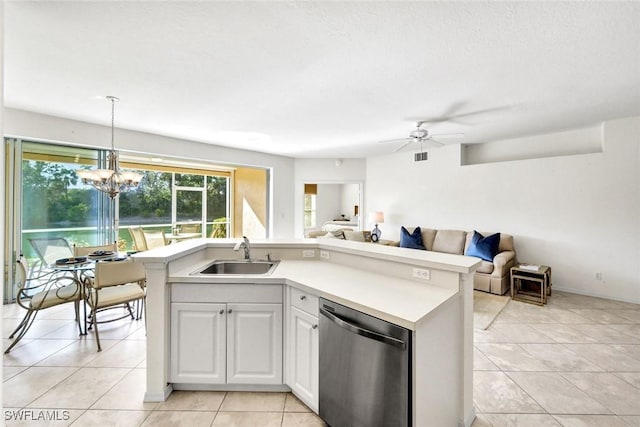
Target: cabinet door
[[198, 347], [304, 355], [254, 344]]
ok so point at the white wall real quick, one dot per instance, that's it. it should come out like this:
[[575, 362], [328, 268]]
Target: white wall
[[349, 198], [580, 214], [35, 126], [328, 203], [320, 171]]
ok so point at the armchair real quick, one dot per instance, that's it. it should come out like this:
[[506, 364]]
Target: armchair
[[40, 291]]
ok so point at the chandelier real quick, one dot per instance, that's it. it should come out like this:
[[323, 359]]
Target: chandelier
[[112, 180]]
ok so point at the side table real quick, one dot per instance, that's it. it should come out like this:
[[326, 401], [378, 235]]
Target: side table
[[531, 283]]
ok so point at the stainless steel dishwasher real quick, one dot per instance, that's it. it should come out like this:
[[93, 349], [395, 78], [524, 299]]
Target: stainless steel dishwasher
[[365, 369]]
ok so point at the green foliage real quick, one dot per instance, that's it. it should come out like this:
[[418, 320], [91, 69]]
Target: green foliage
[[50, 198], [151, 199], [54, 198]]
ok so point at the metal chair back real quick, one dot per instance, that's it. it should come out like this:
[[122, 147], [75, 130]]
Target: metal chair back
[[49, 249]]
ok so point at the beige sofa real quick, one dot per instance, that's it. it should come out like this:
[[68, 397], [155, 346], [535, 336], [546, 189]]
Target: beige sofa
[[490, 276]]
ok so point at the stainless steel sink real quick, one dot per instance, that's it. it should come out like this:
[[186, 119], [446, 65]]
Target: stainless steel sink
[[238, 267]]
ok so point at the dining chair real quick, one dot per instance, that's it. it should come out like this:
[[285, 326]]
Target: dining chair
[[218, 230], [154, 238], [138, 238], [82, 251], [41, 291], [50, 249], [193, 227], [87, 250], [115, 283]]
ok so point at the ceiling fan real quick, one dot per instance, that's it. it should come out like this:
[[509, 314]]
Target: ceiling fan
[[422, 136]]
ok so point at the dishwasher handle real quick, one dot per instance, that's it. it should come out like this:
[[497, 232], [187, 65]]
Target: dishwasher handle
[[364, 332]]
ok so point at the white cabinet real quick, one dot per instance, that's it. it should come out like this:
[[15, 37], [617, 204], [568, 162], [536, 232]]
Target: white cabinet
[[227, 343], [198, 346], [254, 344], [303, 370]]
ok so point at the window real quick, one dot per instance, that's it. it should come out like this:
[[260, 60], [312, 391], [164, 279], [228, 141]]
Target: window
[[54, 202], [310, 193], [309, 210], [45, 198]]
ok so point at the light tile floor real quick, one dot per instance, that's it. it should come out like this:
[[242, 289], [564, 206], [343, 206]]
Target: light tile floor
[[573, 362]]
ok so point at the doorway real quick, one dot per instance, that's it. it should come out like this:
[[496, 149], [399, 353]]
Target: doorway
[[332, 203]]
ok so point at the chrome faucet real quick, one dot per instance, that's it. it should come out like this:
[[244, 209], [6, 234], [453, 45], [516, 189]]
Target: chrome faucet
[[244, 245]]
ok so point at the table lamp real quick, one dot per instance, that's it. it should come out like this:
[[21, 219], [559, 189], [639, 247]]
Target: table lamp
[[377, 218]]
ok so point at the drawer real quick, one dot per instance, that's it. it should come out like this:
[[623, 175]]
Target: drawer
[[305, 301], [224, 293]]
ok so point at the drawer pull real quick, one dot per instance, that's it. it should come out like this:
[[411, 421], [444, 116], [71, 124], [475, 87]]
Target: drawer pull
[[230, 310], [221, 311], [303, 297], [314, 326]]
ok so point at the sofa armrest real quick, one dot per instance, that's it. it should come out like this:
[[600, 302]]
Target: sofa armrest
[[503, 261]]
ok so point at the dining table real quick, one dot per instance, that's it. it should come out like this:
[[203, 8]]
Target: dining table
[[80, 270]]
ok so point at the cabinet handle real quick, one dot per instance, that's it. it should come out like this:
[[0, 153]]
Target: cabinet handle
[[314, 327], [221, 311], [303, 297], [230, 310]]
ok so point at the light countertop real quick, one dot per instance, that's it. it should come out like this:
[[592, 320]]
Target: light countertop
[[399, 301]]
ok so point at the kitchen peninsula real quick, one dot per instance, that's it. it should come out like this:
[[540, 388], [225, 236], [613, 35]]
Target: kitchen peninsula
[[428, 293]]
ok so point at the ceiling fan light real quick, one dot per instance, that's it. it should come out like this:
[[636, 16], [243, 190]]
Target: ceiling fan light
[[419, 133]]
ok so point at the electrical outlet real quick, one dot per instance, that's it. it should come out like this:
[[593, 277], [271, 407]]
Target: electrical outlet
[[308, 253], [598, 276], [324, 254], [422, 273]]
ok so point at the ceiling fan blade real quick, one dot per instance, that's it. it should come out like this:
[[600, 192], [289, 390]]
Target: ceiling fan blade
[[451, 115], [402, 146], [396, 140]]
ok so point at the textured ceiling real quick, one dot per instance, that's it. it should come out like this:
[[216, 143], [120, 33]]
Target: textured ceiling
[[326, 79]]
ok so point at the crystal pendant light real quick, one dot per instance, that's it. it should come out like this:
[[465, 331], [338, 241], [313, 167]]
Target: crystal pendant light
[[112, 180]]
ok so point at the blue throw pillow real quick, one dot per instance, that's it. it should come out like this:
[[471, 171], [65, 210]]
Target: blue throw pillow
[[484, 247], [411, 240]]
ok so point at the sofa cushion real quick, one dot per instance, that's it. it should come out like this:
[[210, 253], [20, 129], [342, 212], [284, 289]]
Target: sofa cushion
[[484, 247], [428, 236], [506, 242], [357, 236], [338, 234], [411, 240], [486, 267], [449, 241]]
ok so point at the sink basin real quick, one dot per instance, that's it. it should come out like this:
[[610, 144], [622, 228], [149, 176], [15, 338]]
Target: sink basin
[[239, 266]]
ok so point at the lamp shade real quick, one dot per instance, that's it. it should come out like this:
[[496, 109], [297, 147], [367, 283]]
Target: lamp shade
[[376, 217]]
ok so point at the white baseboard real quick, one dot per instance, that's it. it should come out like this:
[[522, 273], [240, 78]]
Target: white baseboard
[[591, 294], [158, 397], [469, 420]]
